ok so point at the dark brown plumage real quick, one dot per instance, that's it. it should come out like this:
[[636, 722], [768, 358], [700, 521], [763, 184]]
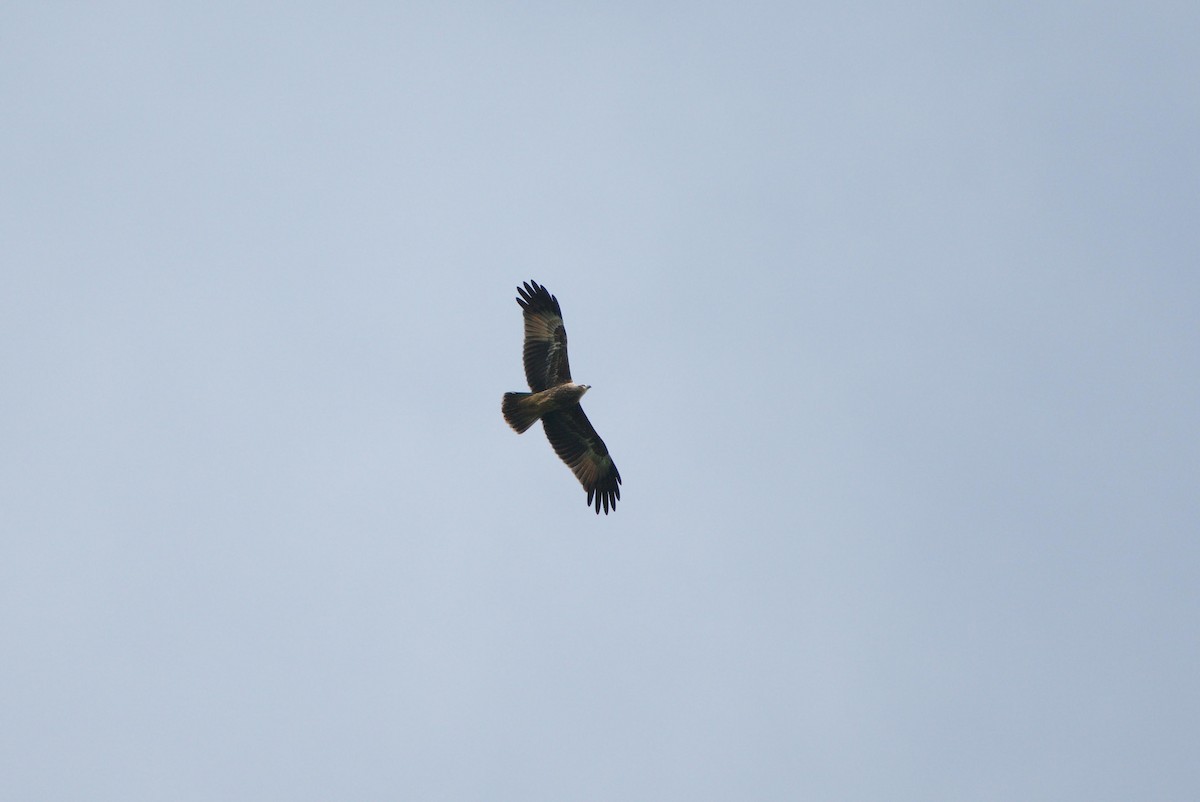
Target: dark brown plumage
[[555, 400]]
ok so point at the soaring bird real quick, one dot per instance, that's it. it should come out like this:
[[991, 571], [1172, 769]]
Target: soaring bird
[[555, 400]]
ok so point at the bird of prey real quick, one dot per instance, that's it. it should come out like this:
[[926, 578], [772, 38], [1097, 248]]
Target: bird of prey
[[555, 400]]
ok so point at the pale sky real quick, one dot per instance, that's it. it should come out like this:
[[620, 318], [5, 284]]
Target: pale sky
[[890, 317]]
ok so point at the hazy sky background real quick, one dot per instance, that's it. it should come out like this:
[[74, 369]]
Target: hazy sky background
[[891, 317]]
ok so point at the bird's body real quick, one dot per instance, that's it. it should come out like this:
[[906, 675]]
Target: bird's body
[[522, 410], [555, 400]]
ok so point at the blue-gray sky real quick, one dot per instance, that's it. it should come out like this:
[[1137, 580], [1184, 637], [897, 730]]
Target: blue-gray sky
[[890, 313]]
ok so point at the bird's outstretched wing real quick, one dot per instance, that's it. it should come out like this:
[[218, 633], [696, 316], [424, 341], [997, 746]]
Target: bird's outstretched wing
[[578, 445], [545, 339]]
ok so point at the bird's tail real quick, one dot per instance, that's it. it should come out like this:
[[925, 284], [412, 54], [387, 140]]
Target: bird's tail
[[518, 411]]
